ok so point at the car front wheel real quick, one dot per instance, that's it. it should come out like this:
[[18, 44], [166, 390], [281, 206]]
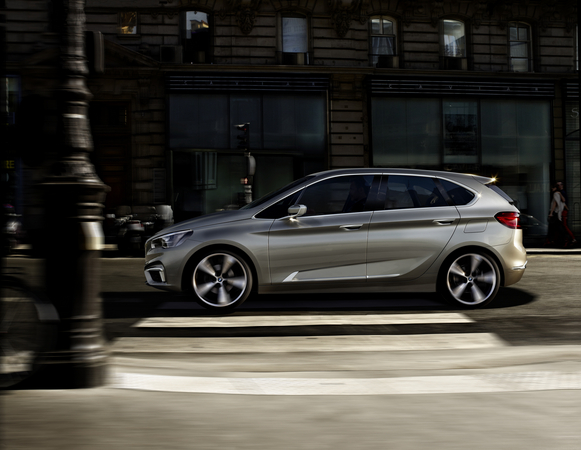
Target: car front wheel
[[470, 280], [221, 280]]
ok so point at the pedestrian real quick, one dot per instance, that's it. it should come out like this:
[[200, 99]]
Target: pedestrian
[[570, 238], [559, 234], [553, 233]]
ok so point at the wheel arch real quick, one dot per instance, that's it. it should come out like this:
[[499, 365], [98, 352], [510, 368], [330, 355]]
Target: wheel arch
[[194, 257], [468, 249]]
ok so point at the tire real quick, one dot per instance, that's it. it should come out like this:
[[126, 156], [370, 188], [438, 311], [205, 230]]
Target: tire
[[470, 280], [221, 280]]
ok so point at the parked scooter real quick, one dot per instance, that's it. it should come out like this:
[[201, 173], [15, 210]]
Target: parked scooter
[[131, 227], [154, 218], [129, 230]]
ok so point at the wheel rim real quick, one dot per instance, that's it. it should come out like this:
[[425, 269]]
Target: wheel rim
[[220, 280], [471, 279]]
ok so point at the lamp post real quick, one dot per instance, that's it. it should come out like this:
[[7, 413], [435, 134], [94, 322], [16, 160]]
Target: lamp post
[[73, 198]]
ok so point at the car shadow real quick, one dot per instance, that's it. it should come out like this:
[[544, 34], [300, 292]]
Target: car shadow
[[123, 312], [510, 297]]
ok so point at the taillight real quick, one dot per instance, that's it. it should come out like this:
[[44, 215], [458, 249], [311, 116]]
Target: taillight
[[509, 219]]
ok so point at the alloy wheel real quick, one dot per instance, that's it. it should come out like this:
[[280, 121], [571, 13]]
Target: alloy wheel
[[472, 279], [221, 280]]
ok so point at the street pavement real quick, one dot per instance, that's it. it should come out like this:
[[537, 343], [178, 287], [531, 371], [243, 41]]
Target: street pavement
[[341, 372]]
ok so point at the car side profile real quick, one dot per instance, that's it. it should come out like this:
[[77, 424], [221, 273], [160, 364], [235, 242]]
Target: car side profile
[[351, 230]]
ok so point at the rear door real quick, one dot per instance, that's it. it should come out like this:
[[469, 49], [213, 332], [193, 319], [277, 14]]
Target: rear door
[[412, 229]]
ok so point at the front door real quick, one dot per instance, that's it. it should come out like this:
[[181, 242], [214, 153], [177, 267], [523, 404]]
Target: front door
[[328, 243]]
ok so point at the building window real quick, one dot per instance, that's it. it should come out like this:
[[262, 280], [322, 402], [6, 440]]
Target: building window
[[383, 38], [288, 138], [519, 36], [506, 138], [573, 164], [11, 94], [295, 39], [196, 37], [128, 23], [576, 64], [452, 39], [460, 131]]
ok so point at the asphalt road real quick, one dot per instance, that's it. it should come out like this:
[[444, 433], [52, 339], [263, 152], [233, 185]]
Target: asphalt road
[[506, 377], [544, 308]]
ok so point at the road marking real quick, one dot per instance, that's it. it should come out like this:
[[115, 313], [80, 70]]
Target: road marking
[[296, 344], [456, 384], [301, 320]]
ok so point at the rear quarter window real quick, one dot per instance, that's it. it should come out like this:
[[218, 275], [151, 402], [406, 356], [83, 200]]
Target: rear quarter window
[[500, 192], [459, 195]]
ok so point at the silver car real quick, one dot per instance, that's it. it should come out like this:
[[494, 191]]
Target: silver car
[[354, 230]]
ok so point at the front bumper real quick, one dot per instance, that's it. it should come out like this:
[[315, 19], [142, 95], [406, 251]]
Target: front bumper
[[155, 276]]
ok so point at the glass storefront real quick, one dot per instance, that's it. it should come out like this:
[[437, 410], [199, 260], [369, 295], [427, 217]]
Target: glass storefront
[[573, 165], [287, 139], [508, 139]]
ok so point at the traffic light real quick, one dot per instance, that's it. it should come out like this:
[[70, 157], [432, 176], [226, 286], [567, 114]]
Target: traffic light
[[244, 138]]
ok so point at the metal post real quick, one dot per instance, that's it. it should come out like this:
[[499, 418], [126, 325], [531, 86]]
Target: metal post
[[74, 197]]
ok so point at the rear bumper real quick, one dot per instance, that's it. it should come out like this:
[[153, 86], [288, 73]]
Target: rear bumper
[[514, 256]]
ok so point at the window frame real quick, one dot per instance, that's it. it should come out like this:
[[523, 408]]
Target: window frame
[[442, 39], [529, 45], [183, 29], [374, 57], [576, 54], [284, 57], [120, 24]]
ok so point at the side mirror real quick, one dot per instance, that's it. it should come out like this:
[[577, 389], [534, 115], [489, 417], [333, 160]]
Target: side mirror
[[296, 211]]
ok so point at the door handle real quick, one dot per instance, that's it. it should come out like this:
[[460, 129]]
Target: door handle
[[351, 227], [443, 222]]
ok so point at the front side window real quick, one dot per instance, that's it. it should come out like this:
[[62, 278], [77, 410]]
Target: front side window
[[337, 195], [196, 39], [452, 39], [128, 23], [519, 47], [383, 37]]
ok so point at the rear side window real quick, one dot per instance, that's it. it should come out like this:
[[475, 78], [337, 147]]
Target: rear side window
[[459, 195], [412, 192]]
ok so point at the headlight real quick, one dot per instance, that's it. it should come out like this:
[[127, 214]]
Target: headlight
[[171, 240]]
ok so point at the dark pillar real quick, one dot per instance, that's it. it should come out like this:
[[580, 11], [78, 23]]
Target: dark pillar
[[74, 197]]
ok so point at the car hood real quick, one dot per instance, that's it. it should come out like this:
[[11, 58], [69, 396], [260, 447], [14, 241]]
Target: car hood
[[208, 220]]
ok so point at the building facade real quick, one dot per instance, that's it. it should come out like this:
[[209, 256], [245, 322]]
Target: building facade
[[485, 87]]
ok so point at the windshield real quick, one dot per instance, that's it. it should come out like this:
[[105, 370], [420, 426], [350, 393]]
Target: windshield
[[273, 194]]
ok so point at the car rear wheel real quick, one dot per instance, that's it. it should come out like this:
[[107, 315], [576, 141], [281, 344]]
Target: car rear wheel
[[470, 280], [221, 280]]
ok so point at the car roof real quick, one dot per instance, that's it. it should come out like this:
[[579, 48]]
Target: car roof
[[383, 170]]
